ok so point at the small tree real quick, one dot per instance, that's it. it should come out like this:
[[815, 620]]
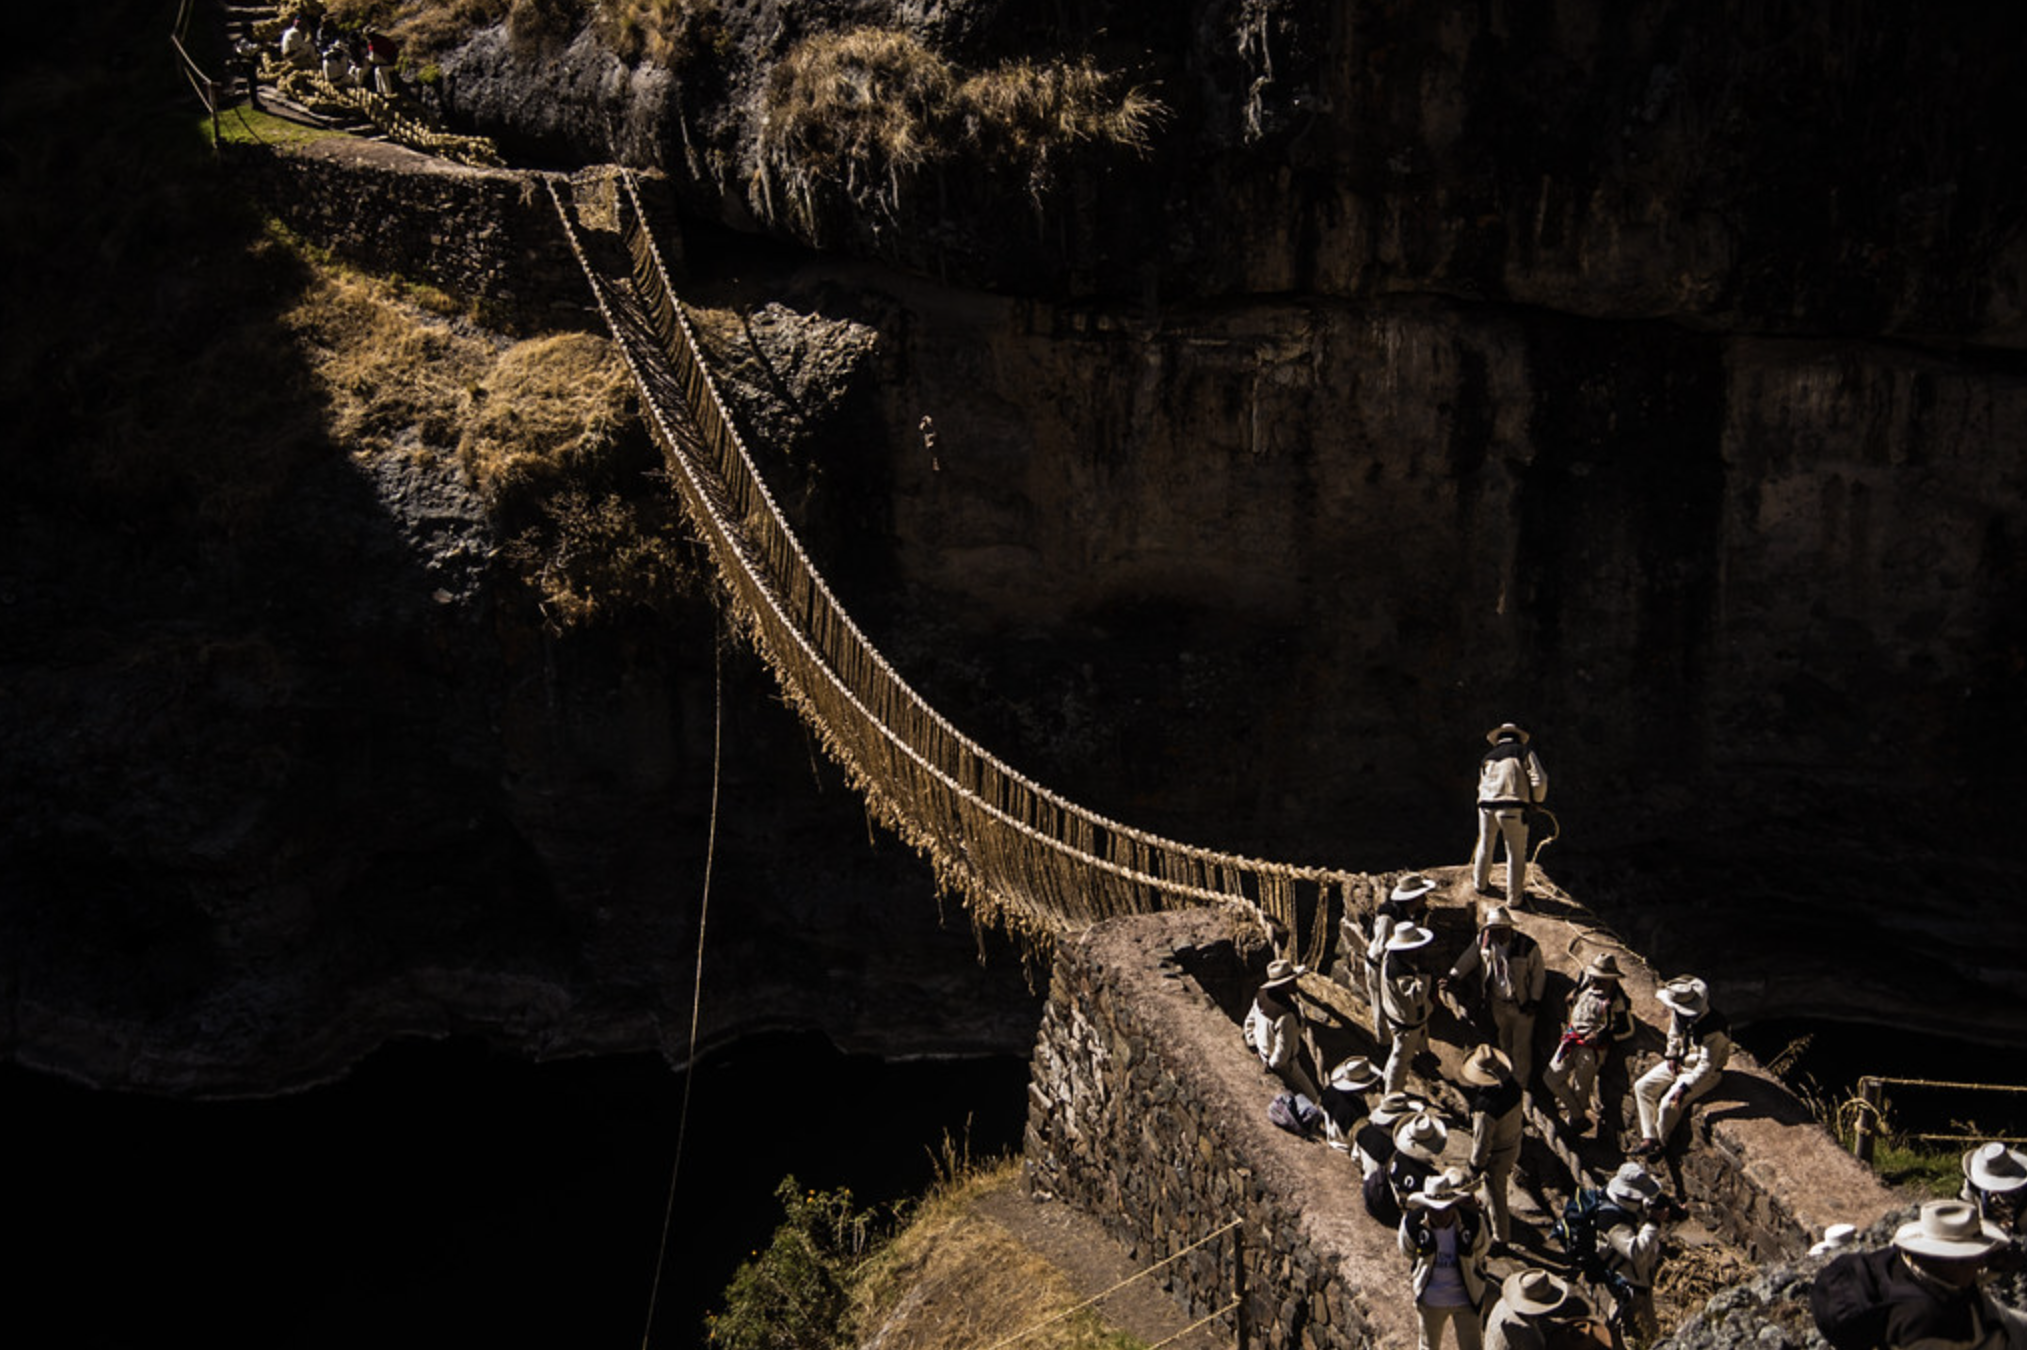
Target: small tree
[[793, 1295]]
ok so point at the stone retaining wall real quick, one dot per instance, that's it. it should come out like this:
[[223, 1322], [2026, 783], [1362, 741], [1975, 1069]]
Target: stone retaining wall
[[489, 237], [1147, 1111]]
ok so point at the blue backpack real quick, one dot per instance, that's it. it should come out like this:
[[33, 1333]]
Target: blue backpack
[[1295, 1113]]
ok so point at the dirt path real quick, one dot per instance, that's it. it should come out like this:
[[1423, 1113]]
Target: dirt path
[[1076, 1244]]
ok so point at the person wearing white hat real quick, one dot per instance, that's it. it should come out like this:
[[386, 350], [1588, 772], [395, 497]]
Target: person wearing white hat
[[1995, 1180], [1408, 903], [1632, 1246], [1373, 1144], [1404, 1001], [1512, 977], [1343, 1100], [1598, 1018], [1510, 780], [1274, 1028], [1497, 1124], [1530, 1301], [1922, 1293], [1419, 1141], [1699, 1046], [1444, 1235]]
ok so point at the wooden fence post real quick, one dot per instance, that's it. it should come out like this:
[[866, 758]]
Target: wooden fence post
[[1871, 1095]]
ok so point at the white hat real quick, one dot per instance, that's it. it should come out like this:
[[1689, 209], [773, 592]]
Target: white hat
[[1413, 886], [1603, 966], [1534, 1293], [1408, 937], [1996, 1169], [1486, 1065], [1632, 1186], [1395, 1107], [1497, 916], [1281, 974], [1422, 1136], [1441, 1191], [1950, 1229], [1355, 1074], [1505, 729], [1835, 1238], [1685, 994]]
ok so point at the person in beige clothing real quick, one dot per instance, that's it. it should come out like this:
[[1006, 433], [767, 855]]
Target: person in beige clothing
[[1699, 1046], [1510, 780], [1511, 977]]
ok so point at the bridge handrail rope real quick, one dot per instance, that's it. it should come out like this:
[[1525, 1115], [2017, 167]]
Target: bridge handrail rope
[[1104, 1294], [1022, 853]]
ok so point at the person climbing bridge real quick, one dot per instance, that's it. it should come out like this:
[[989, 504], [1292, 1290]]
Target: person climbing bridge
[[1511, 782], [1512, 977], [1274, 1028], [1699, 1046], [1408, 903], [1497, 1124], [1405, 1000], [1598, 1018], [1446, 1237]]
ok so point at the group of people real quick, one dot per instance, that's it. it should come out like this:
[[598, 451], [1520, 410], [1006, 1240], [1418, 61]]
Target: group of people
[[1450, 1220], [367, 60]]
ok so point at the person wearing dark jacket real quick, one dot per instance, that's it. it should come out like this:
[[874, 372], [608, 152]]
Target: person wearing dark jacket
[[1922, 1293], [1496, 1128]]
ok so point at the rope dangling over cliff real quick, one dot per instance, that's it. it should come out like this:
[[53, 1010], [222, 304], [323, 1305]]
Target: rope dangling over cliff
[[1016, 853]]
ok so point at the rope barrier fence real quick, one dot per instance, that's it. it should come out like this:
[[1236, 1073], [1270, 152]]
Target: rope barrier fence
[[1018, 854], [1865, 1114], [1104, 1294]]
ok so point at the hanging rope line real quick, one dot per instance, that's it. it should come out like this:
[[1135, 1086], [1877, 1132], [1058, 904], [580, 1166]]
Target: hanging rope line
[[1103, 1294], [1016, 853], [696, 983]]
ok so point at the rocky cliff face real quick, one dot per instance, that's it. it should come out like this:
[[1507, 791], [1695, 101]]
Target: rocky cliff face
[[1649, 373]]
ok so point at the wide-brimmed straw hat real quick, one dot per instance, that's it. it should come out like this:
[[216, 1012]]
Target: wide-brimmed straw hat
[[1603, 966], [1407, 937], [1632, 1186], [1496, 916], [1835, 1238], [1995, 1168], [1951, 1230], [1486, 1065], [1506, 729], [1441, 1191], [1534, 1293], [1281, 974], [1685, 994], [1421, 1135], [1355, 1074], [1395, 1107], [1413, 886]]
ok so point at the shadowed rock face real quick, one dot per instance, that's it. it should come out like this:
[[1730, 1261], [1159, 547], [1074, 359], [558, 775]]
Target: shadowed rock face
[[1645, 373]]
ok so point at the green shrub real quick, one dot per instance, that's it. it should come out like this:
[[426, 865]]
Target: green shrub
[[795, 1295]]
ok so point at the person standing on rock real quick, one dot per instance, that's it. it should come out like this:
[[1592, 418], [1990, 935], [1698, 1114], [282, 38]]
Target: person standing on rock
[[1408, 904], [1699, 1046], [1446, 1237], [1512, 977], [1405, 999], [1274, 1028], [1510, 782], [1599, 1017], [1497, 1124]]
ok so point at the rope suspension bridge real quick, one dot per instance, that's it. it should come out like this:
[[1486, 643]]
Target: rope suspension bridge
[[1014, 852]]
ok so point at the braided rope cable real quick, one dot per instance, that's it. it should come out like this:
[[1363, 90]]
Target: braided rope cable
[[1027, 856]]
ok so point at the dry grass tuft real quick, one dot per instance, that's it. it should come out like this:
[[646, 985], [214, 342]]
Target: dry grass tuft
[[855, 118], [954, 1277], [543, 430]]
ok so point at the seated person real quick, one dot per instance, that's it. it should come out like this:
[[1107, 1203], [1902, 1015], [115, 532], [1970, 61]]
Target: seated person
[[1343, 1100], [1274, 1028], [1699, 1046]]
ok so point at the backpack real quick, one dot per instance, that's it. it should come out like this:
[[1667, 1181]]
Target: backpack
[[1295, 1113], [1586, 1217]]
